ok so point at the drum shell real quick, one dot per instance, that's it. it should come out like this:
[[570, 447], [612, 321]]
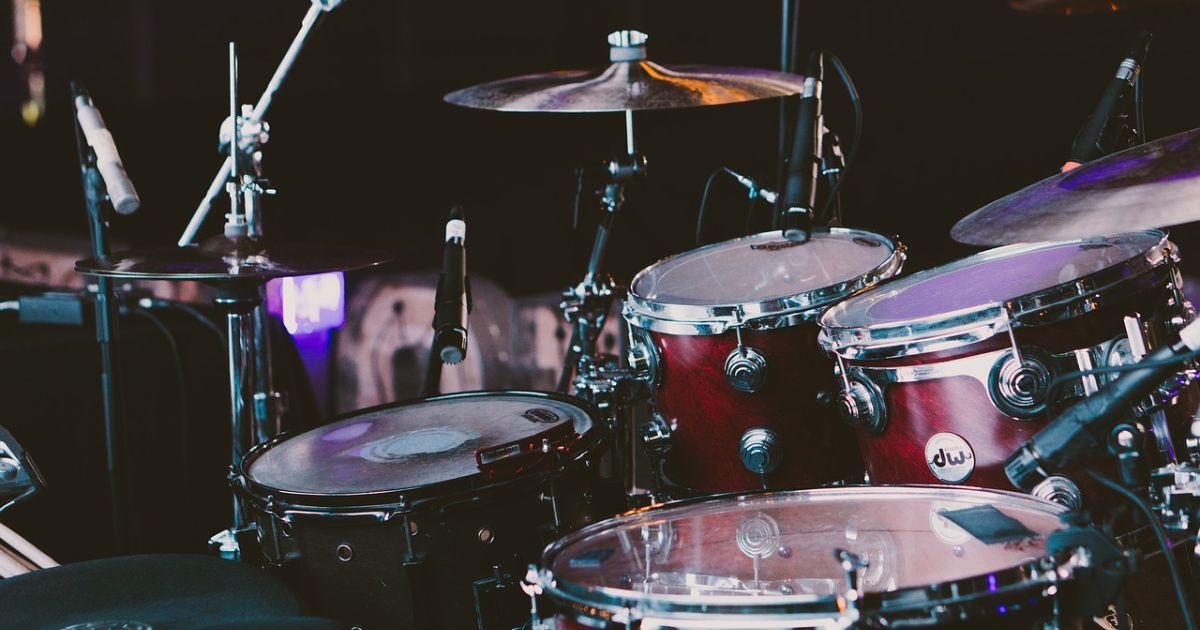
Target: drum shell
[[962, 405], [429, 565], [708, 416]]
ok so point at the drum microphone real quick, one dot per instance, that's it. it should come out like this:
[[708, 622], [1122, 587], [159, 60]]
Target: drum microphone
[[800, 187], [1082, 427], [1099, 134], [453, 301], [120, 189]]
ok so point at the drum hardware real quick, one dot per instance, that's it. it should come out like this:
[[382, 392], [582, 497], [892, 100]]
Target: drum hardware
[[852, 564], [616, 391], [1060, 490], [20, 477], [745, 367], [861, 405], [656, 440], [760, 452], [1019, 381]]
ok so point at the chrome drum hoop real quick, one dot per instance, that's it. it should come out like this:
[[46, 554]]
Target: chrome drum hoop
[[961, 328], [715, 319], [953, 599]]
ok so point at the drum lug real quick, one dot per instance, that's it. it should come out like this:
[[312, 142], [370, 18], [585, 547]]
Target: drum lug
[[861, 405], [1018, 382], [761, 450], [643, 357], [1061, 490], [656, 435], [746, 369]]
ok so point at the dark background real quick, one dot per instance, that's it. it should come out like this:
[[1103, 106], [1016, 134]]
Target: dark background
[[965, 101]]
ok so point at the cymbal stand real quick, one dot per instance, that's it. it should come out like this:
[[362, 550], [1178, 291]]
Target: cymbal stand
[[245, 319], [600, 378], [310, 20], [586, 305]]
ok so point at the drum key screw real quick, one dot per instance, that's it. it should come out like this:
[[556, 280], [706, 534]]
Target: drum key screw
[[344, 552], [785, 552]]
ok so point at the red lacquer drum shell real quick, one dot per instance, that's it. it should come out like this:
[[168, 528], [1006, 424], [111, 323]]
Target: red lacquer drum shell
[[727, 336], [945, 372]]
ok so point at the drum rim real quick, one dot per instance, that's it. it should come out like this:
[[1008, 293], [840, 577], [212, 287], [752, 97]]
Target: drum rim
[[781, 312], [625, 602], [403, 498], [954, 329]]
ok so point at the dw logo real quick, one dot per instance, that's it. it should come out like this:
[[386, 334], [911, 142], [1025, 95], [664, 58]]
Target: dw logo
[[949, 457]]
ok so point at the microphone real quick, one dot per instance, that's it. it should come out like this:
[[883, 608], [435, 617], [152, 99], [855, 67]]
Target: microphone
[[800, 187], [1082, 427], [453, 301], [1100, 132], [120, 189]]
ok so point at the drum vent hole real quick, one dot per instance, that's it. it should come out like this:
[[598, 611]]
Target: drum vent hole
[[485, 535], [344, 552]]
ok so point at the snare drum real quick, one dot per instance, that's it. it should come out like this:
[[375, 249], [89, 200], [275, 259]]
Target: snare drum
[[727, 336], [945, 372], [920, 556], [425, 514]]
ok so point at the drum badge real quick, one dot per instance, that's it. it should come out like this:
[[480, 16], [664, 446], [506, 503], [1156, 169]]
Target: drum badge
[[541, 414], [949, 457]]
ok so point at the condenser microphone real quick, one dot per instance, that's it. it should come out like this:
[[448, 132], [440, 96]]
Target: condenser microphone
[[800, 187], [1099, 133], [120, 188], [452, 301], [1082, 427]]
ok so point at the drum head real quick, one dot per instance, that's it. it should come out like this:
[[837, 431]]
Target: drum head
[[764, 274], [778, 548], [931, 302], [409, 445]]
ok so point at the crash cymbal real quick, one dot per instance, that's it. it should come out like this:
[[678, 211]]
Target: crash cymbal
[[1083, 7], [631, 82], [1149, 186], [224, 260]]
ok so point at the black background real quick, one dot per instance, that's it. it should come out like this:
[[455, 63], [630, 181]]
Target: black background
[[965, 101]]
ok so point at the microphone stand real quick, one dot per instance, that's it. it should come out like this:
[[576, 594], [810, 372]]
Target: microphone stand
[[95, 195]]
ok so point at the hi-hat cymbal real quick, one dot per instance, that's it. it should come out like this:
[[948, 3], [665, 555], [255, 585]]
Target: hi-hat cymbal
[[631, 82], [1153, 185], [227, 260]]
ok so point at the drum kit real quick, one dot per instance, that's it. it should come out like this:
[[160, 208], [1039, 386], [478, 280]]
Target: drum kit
[[827, 439]]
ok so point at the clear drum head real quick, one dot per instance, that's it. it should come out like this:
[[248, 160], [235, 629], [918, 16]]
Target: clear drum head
[[410, 445], [985, 290], [759, 276], [773, 554]]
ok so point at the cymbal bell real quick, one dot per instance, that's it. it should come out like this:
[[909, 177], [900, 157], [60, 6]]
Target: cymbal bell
[[1153, 185], [222, 259], [631, 82]]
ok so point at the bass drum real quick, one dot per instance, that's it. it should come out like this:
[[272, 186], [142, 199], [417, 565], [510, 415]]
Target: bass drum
[[425, 514], [726, 334], [946, 372], [921, 556]]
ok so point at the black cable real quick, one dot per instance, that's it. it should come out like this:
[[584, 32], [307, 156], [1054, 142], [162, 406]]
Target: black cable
[[1138, 118], [1159, 533], [856, 103], [195, 313], [180, 374], [704, 203], [579, 182], [1109, 369], [750, 208]]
